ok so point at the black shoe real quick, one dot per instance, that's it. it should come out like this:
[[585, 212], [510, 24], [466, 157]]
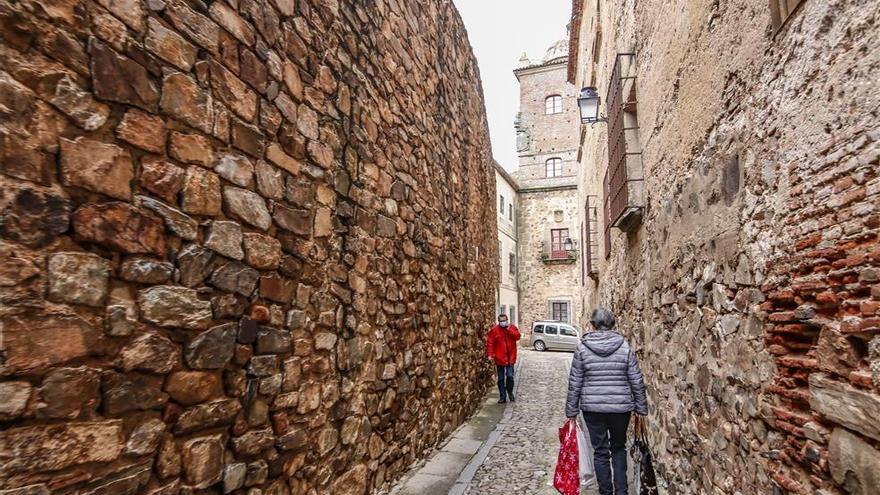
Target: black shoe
[[502, 401], [512, 398]]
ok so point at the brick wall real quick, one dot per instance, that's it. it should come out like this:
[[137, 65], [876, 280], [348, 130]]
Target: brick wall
[[749, 289], [238, 243]]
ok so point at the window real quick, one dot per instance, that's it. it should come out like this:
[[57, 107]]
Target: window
[[550, 330], [553, 167], [553, 104], [510, 211], [559, 311], [781, 10], [503, 310], [557, 243], [501, 204], [538, 329], [511, 259], [513, 314], [591, 234], [568, 331]]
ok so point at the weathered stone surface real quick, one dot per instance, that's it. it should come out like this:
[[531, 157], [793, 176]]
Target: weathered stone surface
[[261, 251], [34, 342], [126, 481], [97, 166], [237, 169], [277, 288], [845, 404], [171, 306], [143, 130], [296, 221], [118, 78], [191, 148], [325, 341], [69, 393], [273, 341], [276, 155], [353, 482], [145, 438], [32, 217], [131, 12], [193, 387], [169, 46], [854, 463], [70, 444], [119, 226], [146, 271], [201, 192], [253, 442], [247, 138], [16, 395], [247, 206], [263, 366], [176, 221], [270, 181], [225, 238], [149, 352], [161, 178], [233, 92], [213, 348], [253, 71], [208, 415], [131, 392], [199, 28], [168, 458], [233, 476], [235, 277], [184, 100], [194, 263], [232, 22], [203, 461], [78, 278]]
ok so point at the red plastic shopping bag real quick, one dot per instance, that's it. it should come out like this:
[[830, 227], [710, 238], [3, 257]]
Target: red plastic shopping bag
[[565, 479]]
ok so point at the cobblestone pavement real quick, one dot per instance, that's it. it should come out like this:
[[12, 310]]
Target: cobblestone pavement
[[523, 459]]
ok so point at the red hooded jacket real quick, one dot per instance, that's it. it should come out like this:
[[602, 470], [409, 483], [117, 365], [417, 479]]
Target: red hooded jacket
[[501, 344]]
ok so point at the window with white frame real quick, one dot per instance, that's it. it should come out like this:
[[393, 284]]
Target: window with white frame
[[553, 167], [553, 104]]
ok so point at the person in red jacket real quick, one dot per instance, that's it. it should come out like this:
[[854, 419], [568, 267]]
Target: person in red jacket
[[501, 350]]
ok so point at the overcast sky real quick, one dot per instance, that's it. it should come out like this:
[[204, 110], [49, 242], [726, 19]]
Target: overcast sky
[[499, 31]]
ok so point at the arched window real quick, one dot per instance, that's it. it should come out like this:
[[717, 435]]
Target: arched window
[[553, 167], [553, 104]]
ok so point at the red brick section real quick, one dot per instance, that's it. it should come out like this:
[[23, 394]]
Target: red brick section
[[823, 304]]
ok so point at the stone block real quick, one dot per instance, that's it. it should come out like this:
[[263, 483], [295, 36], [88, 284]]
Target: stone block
[[146, 271], [78, 278], [237, 169], [97, 166], [193, 387], [225, 238], [171, 306], [262, 252], [183, 99], [845, 404], [247, 206], [233, 92], [191, 148], [161, 177], [201, 192], [123, 392], [169, 46], [149, 352], [71, 444], [119, 226], [33, 342], [854, 464], [143, 130], [69, 393], [213, 348], [235, 277], [203, 461]]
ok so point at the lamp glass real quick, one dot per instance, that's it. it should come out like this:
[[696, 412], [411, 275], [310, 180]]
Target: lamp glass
[[588, 102]]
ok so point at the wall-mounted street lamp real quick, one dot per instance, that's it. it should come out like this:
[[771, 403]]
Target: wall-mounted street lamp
[[588, 102], [568, 244]]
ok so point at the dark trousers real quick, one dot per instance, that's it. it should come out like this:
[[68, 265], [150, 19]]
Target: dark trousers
[[608, 436], [505, 380]]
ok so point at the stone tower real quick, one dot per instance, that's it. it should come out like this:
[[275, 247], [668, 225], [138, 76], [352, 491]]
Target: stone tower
[[547, 142]]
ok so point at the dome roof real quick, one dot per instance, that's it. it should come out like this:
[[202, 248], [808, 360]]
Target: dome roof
[[556, 50]]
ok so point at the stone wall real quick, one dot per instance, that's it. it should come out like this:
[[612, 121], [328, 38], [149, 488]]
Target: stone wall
[[751, 286], [239, 243], [541, 281]]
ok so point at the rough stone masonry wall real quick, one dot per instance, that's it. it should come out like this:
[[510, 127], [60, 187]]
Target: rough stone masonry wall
[[238, 243], [752, 285]]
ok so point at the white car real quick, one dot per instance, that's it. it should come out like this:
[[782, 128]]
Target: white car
[[554, 335]]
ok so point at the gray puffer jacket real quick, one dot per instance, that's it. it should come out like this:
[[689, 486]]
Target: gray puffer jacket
[[605, 377]]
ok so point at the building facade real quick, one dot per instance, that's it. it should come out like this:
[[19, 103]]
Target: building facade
[[507, 294], [547, 220], [732, 202]]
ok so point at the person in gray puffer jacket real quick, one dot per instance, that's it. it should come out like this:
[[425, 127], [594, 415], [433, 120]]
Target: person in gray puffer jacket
[[606, 384]]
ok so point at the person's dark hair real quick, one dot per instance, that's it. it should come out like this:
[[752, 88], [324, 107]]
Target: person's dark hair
[[602, 319], [502, 314]]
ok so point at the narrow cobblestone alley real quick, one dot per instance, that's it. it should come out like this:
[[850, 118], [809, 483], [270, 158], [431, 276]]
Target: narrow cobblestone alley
[[520, 457]]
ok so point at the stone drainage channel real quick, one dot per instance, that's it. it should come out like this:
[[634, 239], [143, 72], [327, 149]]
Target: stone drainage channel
[[503, 449]]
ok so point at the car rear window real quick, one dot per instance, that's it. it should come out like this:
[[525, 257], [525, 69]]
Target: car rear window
[[539, 329]]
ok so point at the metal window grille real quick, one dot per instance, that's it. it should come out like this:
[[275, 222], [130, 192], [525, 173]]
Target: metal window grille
[[591, 234], [559, 311]]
